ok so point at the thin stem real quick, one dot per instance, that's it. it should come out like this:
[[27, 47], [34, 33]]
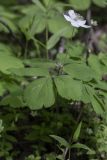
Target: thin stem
[[69, 154], [73, 32], [47, 56], [26, 49], [72, 36], [38, 50], [80, 112], [65, 153], [46, 41], [39, 42]]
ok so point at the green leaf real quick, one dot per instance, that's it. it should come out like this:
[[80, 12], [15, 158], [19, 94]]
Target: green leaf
[[96, 65], [13, 101], [57, 23], [100, 3], [50, 156], [1, 126], [103, 58], [60, 157], [9, 23], [97, 105], [32, 24], [77, 132], [101, 85], [39, 4], [40, 63], [75, 49], [61, 141], [5, 49], [79, 71], [48, 2], [80, 146], [95, 101], [8, 62], [68, 88], [38, 25], [83, 5], [55, 38], [39, 93], [2, 89], [85, 96], [4, 12], [30, 72], [13, 88]]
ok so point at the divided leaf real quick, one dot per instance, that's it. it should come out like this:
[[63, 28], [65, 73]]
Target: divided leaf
[[30, 72], [83, 5], [61, 140], [81, 146], [9, 62], [79, 71], [56, 37], [100, 3], [2, 89], [68, 88], [95, 101], [77, 132], [58, 23], [39, 93]]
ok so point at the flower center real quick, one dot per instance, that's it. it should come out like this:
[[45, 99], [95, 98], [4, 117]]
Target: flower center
[[78, 17]]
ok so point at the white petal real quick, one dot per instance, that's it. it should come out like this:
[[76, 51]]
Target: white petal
[[74, 23], [72, 14], [85, 26], [81, 22], [67, 17]]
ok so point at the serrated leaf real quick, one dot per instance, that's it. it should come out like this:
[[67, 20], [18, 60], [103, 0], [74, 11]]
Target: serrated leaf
[[40, 63], [83, 5], [39, 93], [9, 62], [95, 101], [48, 2], [30, 72], [13, 101], [85, 96], [79, 71], [39, 4], [96, 65], [77, 132], [2, 89], [101, 85], [100, 3], [80, 146], [75, 49], [5, 49], [33, 22], [103, 58], [55, 38], [57, 23], [61, 141], [38, 25], [68, 88], [4, 12], [53, 41], [9, 23]]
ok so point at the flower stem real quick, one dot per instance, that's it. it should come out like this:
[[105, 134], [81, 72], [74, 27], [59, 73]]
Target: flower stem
[[71, 37], [72, 31]]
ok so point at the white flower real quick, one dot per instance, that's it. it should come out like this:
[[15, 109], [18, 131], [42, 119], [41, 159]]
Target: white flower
[[94, 23], [75, 19]]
